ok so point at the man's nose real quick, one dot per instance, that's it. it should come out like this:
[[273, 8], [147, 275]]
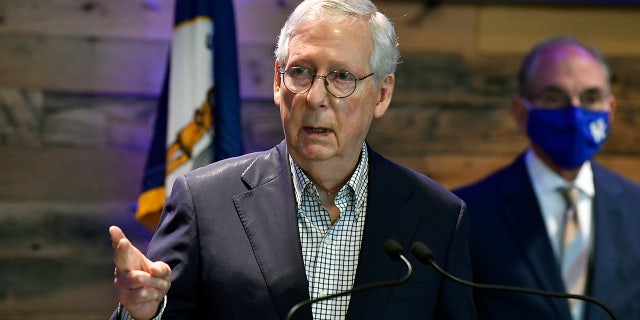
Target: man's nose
[[575, 101], [322, 86]]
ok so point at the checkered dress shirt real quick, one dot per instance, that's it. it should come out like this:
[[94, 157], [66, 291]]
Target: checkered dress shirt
[[331, 251]]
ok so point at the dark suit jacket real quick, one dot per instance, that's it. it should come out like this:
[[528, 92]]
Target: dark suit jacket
[[509, 246], [229, 232]]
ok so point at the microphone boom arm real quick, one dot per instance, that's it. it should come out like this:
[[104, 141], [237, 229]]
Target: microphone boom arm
[[424, 254]]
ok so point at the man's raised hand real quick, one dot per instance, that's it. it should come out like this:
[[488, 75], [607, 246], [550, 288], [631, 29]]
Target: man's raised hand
[[140, 283]]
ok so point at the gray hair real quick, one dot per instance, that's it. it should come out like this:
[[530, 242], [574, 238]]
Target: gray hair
[[531, 60], [385, 56]]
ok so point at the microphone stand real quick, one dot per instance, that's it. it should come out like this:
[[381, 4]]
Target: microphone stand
[[425, 255]]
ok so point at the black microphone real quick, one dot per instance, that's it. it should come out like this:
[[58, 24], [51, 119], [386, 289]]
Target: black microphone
[[393, 250], [424, 255]]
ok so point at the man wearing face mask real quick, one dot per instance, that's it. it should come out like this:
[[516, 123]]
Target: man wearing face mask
[[525, 229]]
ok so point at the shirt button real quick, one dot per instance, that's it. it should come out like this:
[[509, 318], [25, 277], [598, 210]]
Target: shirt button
[[323, 294], [327, 241]]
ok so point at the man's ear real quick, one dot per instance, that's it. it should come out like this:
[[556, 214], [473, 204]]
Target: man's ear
[[520, 112], [386, 92], [611, 100], [277, 82]]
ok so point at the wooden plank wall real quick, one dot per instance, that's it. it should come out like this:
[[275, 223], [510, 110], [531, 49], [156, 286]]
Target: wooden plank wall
[[79, 81]]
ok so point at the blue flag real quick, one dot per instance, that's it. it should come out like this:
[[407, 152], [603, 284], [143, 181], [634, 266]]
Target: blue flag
[[198, 117]]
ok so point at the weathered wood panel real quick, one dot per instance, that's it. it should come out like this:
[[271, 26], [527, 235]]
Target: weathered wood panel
[[444, 28], [456, 170], [256, 66], [82, 64], [70, 174], [60, 147], [514, 29], [119, 66], [142, 20], [259, 22], [115, 46], [56, 258]]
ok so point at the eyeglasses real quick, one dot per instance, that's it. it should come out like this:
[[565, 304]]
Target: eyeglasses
[[556, 98], [340, 84]]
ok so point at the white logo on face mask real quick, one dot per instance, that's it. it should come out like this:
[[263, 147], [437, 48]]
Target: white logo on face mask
[[598, 130]]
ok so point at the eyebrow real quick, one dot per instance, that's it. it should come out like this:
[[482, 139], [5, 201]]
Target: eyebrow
[[592, 91], [557, 89], [550, 89]]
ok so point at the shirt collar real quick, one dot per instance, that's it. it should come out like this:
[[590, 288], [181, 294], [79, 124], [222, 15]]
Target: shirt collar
[[358, 181], [549, 181]]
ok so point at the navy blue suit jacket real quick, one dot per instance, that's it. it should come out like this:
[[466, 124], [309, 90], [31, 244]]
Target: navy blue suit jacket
[[229, 232], [509, 246]]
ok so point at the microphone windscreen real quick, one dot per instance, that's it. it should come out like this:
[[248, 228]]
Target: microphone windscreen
[[422, 252], [393, 249]]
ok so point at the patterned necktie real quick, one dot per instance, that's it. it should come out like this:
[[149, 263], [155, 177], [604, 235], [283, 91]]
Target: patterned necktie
[[575, 251]]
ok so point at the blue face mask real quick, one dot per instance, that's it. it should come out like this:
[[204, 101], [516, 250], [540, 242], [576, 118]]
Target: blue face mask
[[569, 136]]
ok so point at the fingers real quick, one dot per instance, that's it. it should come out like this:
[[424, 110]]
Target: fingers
[[133, 280], [160, 269], [141, 302], [140, 292], [139, 296]]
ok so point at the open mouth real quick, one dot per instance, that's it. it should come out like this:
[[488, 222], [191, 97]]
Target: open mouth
[[317, 130]]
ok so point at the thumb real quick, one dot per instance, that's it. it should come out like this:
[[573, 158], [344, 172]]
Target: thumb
[[126, 256], [116, 235]]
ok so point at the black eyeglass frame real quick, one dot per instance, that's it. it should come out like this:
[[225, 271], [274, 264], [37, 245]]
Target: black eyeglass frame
[[326, 83]]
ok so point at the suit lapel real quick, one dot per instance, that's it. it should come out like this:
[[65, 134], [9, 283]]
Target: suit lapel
[[386, 218], [604, 259], [268, 214], [521, 212]]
